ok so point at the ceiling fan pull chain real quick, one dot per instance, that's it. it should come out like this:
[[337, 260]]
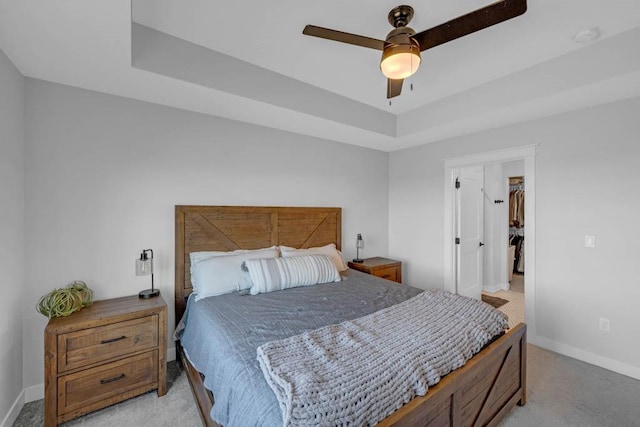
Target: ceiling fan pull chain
[[411, 84]]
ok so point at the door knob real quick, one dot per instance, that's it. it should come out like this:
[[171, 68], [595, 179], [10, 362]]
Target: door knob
[[481, 244]]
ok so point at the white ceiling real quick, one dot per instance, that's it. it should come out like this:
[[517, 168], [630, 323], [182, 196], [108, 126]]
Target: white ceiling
[[524, 68]]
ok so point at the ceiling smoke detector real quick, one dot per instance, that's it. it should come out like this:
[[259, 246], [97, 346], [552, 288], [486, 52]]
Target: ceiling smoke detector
[[586, 36]]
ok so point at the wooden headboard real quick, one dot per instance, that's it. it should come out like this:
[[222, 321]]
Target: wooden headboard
[[227, 228]]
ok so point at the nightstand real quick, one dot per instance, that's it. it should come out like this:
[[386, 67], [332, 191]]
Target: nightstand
[[103, 354], [386, 268]]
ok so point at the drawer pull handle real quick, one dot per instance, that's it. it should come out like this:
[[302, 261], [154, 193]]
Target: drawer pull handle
[[112, 340], [110, 380]]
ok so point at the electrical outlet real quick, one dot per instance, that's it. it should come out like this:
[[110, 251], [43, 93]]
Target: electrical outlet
[[604, 325]]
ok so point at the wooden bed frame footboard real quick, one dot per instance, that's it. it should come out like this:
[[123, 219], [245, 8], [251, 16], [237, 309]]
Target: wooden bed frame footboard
[[480, 393]]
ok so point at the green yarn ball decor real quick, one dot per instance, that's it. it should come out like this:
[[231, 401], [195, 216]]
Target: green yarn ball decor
[[64, 301]]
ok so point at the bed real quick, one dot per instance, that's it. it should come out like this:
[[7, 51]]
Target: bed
[[479, 393]]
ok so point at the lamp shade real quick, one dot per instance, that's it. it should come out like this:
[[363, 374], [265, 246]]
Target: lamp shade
[[400, 61], [144, 267]]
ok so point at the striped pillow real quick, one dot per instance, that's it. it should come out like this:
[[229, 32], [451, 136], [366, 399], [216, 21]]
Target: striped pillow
[[275, 274]]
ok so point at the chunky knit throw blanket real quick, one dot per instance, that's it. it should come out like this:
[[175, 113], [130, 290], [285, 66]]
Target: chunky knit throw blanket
[[360, 371]]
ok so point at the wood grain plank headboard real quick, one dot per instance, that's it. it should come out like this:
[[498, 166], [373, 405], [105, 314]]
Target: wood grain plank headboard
[[227, 228]]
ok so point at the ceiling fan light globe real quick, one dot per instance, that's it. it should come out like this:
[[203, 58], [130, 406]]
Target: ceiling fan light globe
[[400, 62]]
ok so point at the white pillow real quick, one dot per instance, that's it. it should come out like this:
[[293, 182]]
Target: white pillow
[[196, 256], [223, 274], [329, 250], [275, 274]]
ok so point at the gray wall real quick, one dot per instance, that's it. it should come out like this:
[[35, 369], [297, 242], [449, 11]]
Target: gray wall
[[587, 178], [103, 174], [11, 231]]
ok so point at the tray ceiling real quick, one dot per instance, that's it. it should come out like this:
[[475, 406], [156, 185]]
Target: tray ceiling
[[248, 60]]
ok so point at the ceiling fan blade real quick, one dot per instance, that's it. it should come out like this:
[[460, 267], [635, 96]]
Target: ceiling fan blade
[[394, 87], [470, 23], [339, 36]]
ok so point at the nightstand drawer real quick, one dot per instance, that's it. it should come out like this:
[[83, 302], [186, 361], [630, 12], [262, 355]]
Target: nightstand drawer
[[107, 384], [387, 273], [93, 345]]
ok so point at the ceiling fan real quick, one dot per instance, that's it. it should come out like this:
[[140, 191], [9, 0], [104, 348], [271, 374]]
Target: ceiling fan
[[402, 46]]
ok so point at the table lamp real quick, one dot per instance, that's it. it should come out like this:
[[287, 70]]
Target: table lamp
[[359, 245], [144, 267]]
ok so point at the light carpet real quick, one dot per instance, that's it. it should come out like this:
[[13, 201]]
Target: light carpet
[[564, 392], [561, 392]]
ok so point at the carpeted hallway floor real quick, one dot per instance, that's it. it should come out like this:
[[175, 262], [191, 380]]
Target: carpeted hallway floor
[[517, 283], [515, 295], [562, 392], [514, 308]]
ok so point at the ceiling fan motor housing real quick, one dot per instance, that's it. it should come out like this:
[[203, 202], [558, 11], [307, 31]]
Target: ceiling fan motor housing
[[401, 40], [401, 36]]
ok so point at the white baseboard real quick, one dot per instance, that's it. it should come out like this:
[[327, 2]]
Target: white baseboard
[[36, 392], [13, 413], [586, 356], [33, 393], [496, 288]]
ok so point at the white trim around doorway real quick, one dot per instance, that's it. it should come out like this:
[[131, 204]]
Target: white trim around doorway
[[451, 165]]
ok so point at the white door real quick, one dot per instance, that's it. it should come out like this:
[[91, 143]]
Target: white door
[[469, 230]]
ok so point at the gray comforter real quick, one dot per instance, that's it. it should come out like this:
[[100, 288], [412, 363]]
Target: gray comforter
[[222, 335]]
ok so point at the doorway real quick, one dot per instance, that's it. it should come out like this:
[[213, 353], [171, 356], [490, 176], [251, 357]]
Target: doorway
[[504, 284], [516, 221], [453, 168]]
